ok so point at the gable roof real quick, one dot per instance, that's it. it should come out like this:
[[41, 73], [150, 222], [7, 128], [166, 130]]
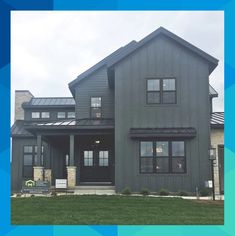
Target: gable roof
[[123, 52], [113, 56]]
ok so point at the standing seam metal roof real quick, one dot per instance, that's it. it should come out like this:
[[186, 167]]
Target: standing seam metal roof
[[51, 101]]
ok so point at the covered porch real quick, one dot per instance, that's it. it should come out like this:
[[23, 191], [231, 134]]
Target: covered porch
[[80, 151]]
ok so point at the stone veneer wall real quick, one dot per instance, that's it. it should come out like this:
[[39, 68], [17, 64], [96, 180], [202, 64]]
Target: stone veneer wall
[[21, 96], [217, 138]]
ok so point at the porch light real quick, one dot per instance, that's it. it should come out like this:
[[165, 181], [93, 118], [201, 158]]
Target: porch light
[[212, 157], [212, 153], [97, 141]]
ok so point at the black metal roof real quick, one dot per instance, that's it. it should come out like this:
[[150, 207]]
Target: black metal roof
[[180, 132], [73, 124], [217, 119], [122, 52], [18, 130], [50, 101], [116, 54]]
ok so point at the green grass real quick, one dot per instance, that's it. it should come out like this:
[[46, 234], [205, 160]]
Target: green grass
[[121, 210]]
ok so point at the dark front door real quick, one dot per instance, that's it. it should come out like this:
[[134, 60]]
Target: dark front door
[[95, 165], [221, 167]]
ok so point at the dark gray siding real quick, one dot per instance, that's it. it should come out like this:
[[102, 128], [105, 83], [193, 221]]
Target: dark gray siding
[[160, 58], [53, 158], [53, 113], [92, 86]]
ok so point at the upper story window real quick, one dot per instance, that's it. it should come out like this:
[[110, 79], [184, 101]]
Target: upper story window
[[95, 107], [161, 91], [45, 115], [60, 114], [35, 115], [71, 114]]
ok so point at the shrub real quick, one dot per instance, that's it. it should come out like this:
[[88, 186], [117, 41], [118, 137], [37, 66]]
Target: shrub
[[164, 192], [53, 193], [32, 195], [204, 192], [182, 193], [18, 195], [144, 191], [126, 191]]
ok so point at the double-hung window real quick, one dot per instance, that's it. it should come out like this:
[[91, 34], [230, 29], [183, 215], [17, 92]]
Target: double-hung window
[[161, 91], [95, 107]]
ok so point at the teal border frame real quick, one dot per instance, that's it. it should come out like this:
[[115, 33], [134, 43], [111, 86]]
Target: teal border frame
[[6, 6]]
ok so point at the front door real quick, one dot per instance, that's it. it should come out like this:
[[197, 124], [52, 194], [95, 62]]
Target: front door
[[95, 166]]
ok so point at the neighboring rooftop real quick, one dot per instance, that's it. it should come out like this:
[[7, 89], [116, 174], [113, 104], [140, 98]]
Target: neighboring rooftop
[[217, 119], [50, 101], [212, 92]]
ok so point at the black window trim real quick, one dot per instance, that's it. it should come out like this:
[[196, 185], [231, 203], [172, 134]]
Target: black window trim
[[61, 112], [33, 153], [169, 157], [45, 117], [67, 115], [101, 113], [34, 117], [161, 91]]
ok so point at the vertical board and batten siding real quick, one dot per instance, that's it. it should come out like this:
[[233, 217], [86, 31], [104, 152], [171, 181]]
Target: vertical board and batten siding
[[161, 58], [95, 85], [17, 160]]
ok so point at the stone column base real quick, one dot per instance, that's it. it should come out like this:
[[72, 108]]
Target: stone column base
[[38, 173], [71, 176], [47, 175]]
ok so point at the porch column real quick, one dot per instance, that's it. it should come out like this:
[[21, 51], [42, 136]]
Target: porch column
[[71, 169], [38, 169], [71, 150]]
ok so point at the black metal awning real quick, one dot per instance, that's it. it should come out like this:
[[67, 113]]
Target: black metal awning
[[138, 133]]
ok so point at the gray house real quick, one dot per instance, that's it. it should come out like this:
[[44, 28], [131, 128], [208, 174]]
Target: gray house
[[140, 118]]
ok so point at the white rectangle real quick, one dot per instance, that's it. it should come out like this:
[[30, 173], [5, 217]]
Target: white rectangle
[[61, 183]]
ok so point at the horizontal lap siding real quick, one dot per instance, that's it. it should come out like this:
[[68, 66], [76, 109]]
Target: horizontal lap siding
[[161, 57], [94, 85]]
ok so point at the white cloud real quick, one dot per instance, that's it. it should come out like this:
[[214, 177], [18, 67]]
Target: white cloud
[[50, 48]]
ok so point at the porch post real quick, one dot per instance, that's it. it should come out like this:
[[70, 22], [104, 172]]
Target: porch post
[[71, 169], [71, 150], [38, 169]]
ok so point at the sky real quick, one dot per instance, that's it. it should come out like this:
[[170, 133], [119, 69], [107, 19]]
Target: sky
[[49, 49]]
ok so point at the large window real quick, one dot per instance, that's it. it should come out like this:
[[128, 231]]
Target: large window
[[95, 107], [162, 157], [161, 90], [30, 159]]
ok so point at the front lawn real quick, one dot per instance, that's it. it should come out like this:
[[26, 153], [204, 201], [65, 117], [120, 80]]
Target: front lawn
[[120, 210]]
